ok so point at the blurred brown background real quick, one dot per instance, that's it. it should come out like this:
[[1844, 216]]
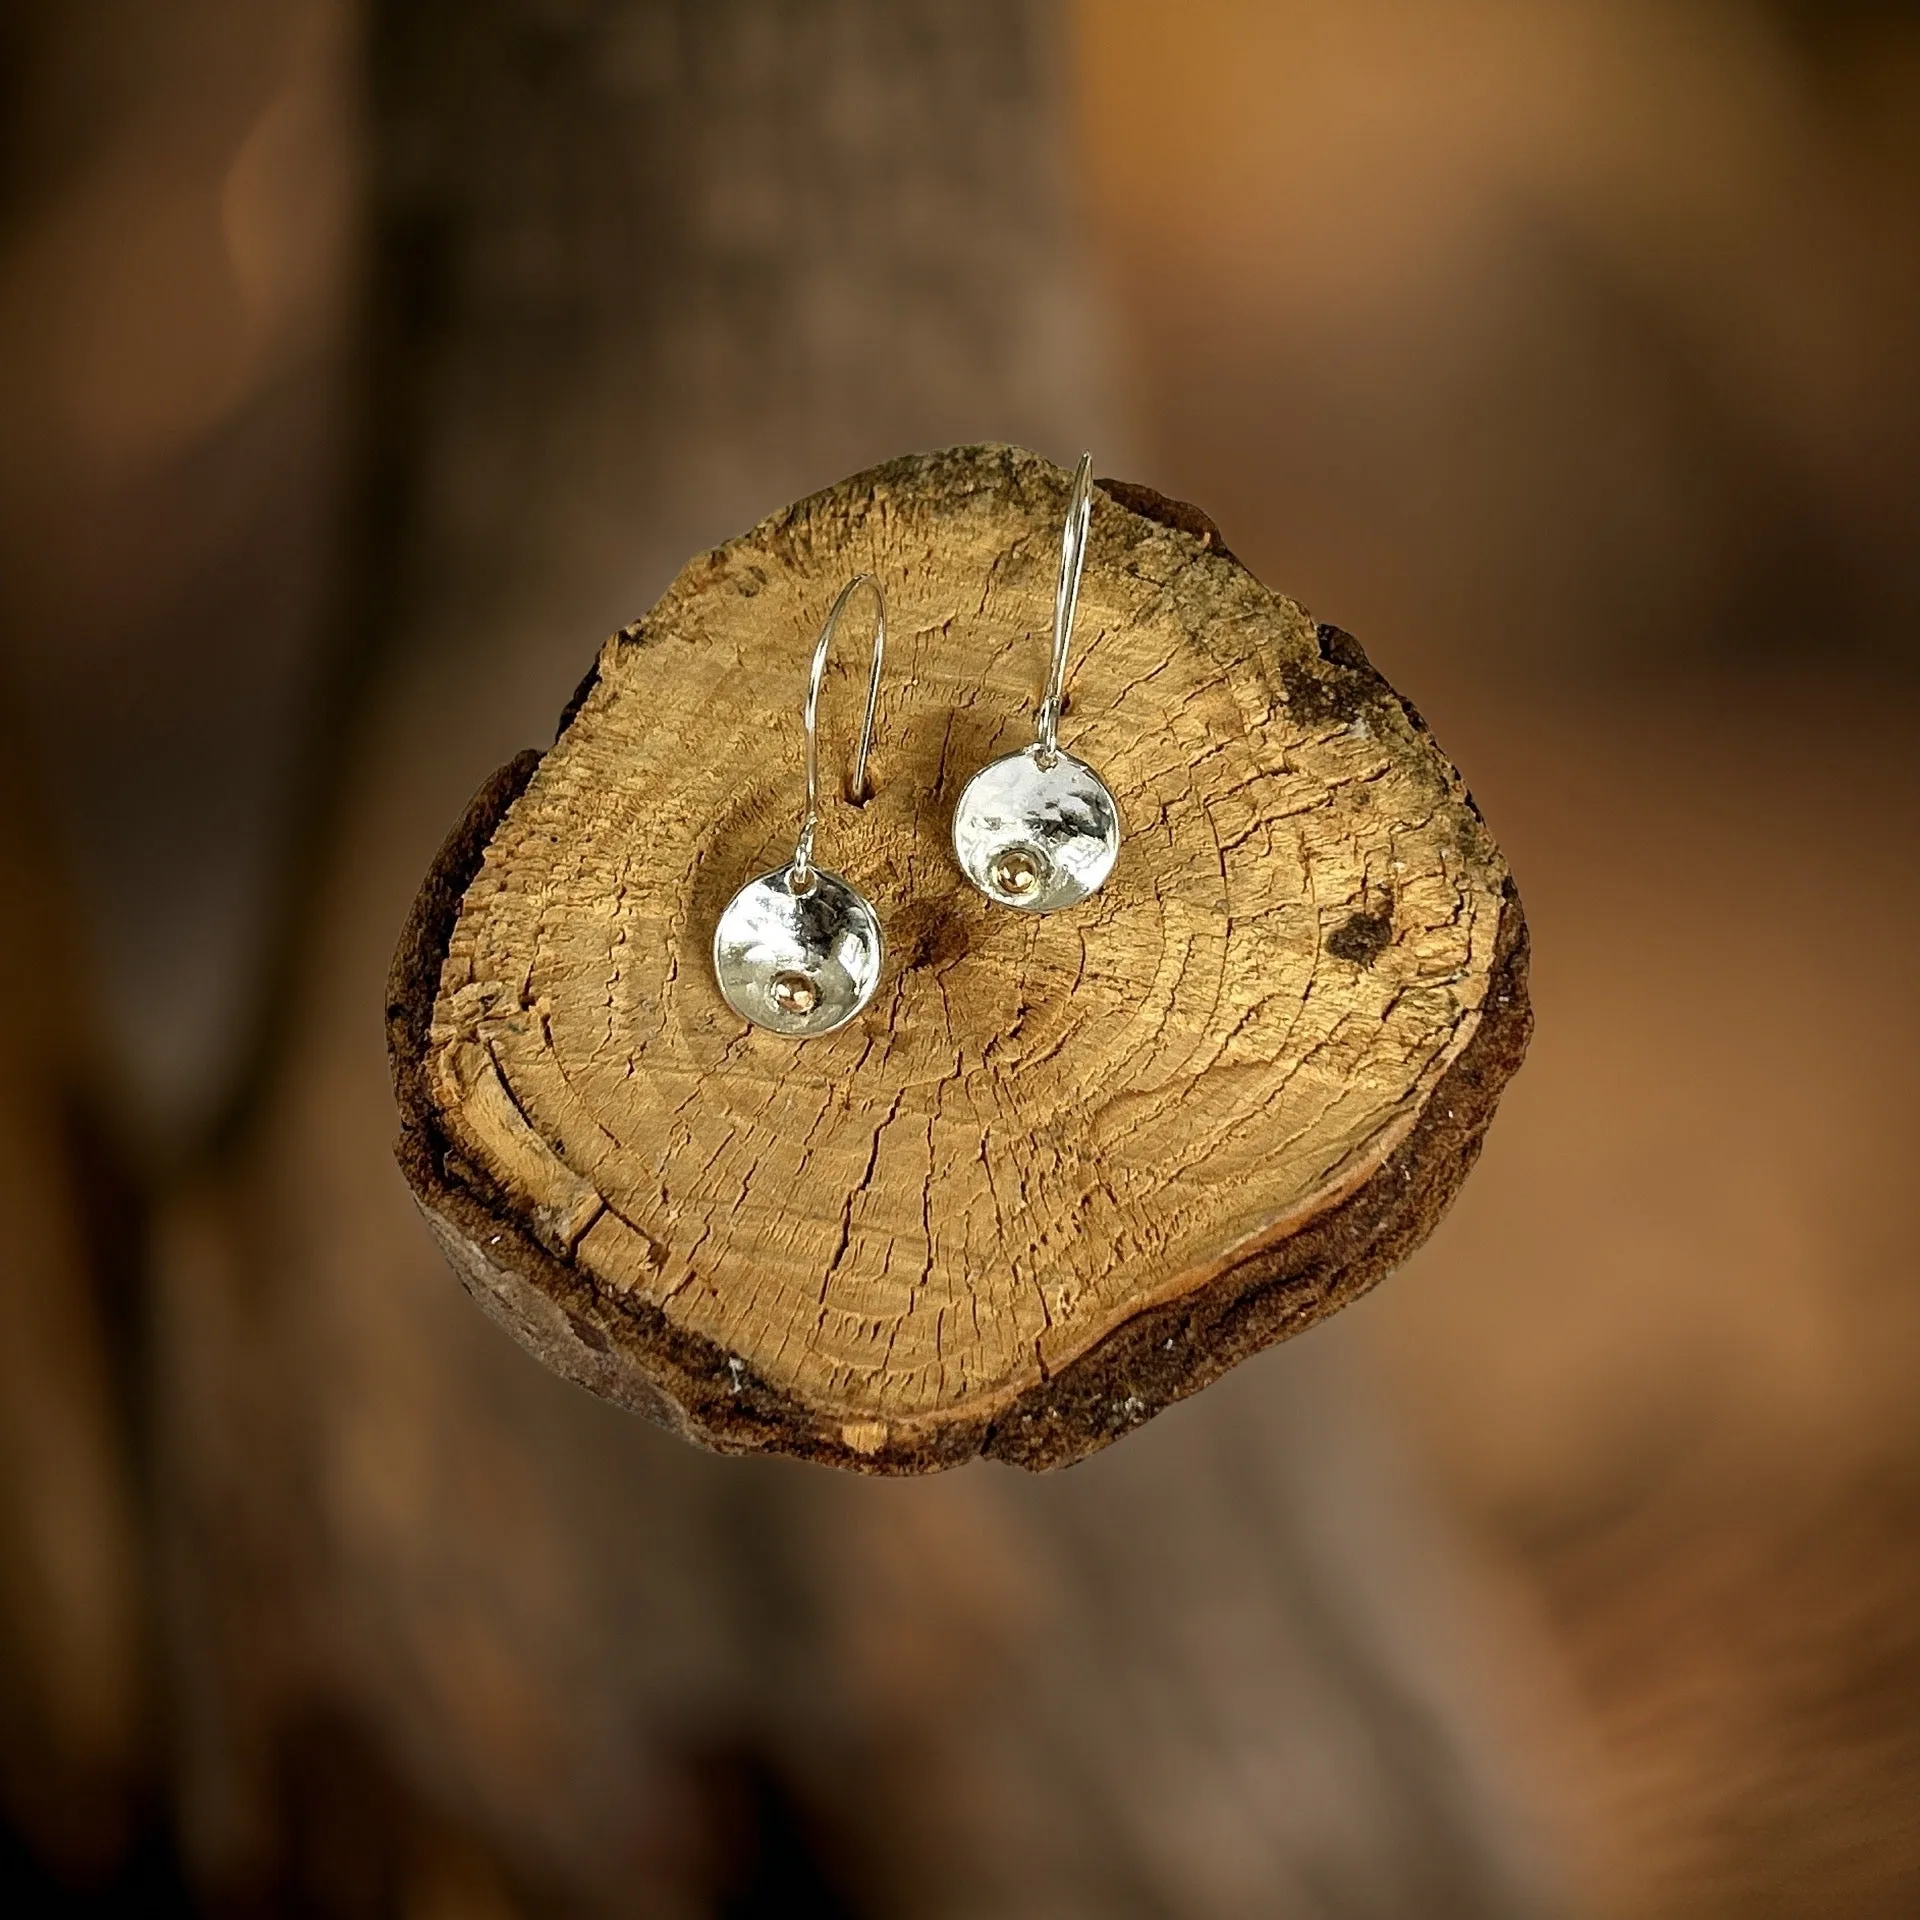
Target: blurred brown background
[[362, 364]]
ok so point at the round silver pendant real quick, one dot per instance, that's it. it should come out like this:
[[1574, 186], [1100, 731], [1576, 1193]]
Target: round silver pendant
[[1036, 832], [798, 964]]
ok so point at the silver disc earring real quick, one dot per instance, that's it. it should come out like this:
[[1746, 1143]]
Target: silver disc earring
[[1038, 830], [798, 950]]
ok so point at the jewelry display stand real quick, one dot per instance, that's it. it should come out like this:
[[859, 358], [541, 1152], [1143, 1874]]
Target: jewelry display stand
[[1064, 1169]]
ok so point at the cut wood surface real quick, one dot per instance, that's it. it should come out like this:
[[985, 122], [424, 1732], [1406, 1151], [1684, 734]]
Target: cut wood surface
[[1065, 1169]]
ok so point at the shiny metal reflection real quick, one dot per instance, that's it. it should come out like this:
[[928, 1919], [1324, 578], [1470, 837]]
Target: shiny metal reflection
[[799, 964], [1036, 832]]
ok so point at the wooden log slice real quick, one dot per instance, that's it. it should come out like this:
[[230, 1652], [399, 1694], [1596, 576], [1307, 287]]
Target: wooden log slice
[[1063, 1170]]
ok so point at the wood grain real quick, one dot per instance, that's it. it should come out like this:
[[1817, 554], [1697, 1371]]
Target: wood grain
[[1065, 1168]]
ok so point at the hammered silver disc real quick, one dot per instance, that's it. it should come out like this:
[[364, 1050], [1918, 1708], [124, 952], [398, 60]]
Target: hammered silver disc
[[798, 964], [1036, 834]]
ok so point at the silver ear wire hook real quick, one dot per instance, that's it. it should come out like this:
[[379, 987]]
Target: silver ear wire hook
[[799, 950], [1066, 598], [801, 876]]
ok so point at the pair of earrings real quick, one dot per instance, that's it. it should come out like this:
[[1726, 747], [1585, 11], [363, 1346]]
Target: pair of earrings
[[798, 950]]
